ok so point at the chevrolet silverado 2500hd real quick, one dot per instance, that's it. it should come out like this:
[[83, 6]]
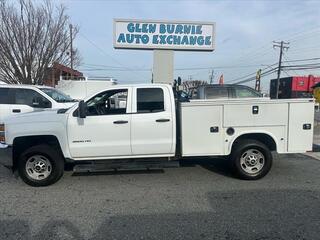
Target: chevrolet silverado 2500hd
[[147, 121]]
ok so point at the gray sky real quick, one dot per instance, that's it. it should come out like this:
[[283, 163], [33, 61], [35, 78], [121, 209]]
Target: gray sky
[[244, 35]]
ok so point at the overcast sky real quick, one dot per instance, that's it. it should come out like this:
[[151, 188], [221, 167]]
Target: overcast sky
[[244, 34]]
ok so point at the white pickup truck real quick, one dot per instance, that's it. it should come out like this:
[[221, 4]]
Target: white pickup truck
[[149, 122], [19, 98]]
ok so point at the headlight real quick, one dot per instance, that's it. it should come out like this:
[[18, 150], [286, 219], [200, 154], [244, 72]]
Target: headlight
[[2, 137]]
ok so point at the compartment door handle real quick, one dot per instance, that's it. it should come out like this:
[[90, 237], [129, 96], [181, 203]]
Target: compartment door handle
[[120, 122], [163, 120]]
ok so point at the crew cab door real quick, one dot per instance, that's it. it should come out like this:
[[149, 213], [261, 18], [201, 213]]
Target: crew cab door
[[152, 129], [105, 132], [4, 104], [27, 100], [19, 100]]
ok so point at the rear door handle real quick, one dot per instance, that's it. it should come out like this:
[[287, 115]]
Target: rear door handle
[[163, 120], [16, 110], [120, 122]]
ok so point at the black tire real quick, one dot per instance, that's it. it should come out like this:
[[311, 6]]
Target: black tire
[[55, 158], [239, 150]]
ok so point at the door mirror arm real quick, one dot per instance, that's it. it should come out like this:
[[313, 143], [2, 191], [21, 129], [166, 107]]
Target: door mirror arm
[[82, 109]]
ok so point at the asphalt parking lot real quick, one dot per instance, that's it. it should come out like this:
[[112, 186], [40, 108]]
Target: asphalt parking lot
[[192, 202]]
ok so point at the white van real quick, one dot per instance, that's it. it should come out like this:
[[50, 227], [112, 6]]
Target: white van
[[15, 99]]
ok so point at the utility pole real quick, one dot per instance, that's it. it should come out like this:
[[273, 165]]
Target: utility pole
[[71, 47], [258, 78], [211, 76], [282, 45]]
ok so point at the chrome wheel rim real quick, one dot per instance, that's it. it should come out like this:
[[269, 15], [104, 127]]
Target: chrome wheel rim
[[252, 161], [38, 167]]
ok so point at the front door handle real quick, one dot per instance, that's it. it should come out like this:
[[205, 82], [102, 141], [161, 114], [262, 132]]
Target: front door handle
[[16, 110], [120, 122], [163, 120]]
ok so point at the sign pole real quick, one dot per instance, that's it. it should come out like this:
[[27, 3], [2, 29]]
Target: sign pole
[[163, 63]]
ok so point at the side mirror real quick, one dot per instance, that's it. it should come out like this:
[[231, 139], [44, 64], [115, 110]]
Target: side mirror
[[37, 102], [82, 109], [40, 102]]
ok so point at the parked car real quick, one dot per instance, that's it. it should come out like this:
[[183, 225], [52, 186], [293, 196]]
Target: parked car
[[226, 91], [15, 99], [146, 121]]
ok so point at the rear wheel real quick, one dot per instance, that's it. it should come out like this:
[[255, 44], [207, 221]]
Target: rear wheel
[[251, 159], [40, 165]]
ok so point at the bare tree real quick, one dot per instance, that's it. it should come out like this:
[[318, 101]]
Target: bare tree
[[32, 37]]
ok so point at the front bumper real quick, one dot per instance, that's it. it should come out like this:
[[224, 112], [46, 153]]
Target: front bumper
[[6, 155]]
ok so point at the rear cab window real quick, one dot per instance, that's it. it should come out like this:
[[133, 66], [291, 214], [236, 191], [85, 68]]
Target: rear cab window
[[216, 93], [23, 96], [30, 98], [5, 97], [241, 92], [150, 100]]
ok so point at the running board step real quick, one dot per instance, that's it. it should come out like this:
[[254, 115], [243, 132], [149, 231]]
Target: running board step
[[124, 166]]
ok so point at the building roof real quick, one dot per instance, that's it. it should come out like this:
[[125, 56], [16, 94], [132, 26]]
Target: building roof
[[63, 68]]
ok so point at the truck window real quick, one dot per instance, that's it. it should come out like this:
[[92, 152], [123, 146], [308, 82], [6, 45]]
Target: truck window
[[31, 98], [245, 93], [150, 100], [4, 96], [216, 92], [57, 95], [108, 103]]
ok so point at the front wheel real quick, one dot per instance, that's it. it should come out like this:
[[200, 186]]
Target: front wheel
[[251, 159], [40, 165]]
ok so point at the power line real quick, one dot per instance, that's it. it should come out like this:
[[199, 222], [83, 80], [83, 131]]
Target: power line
[[304, 65], [288, 62], [302, 68], [270, 66], [287, 68], [302, 60], [262, 49], [271, 71], [114, 68], [105, 53], [303, 34], [254, 73]]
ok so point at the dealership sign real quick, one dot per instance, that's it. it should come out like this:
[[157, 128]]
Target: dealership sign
[[175, 35]]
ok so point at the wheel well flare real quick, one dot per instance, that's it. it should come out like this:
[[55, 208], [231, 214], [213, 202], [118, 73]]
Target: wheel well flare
[[261, 137], [20, 144]]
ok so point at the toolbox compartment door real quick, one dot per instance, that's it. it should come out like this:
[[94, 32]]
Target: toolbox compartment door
[[255, 114], [201, 130], [300, 134]]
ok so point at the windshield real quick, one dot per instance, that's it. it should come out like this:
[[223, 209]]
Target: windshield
[[57, 95]]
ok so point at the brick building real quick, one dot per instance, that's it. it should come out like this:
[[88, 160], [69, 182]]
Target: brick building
[[58, 71]]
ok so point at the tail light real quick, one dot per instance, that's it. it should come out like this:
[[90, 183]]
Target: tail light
[[2, 133]]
